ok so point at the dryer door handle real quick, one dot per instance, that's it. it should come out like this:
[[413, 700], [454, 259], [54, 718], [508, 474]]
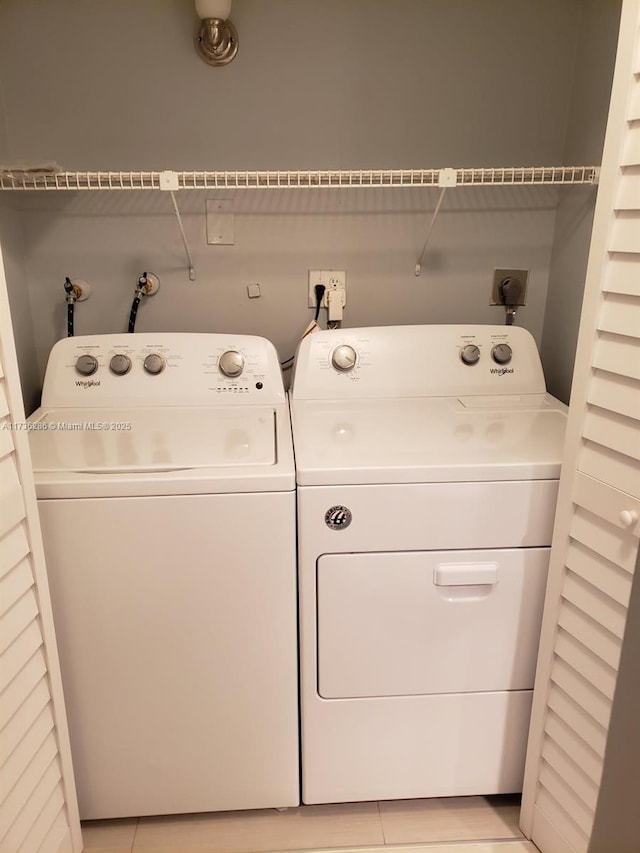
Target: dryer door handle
[[466, 574]]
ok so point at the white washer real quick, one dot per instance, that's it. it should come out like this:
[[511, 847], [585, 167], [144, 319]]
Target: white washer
[[166, 488], [427, 463]]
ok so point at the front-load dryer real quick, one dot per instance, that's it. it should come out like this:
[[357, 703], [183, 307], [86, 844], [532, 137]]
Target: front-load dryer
[[427, 464], [165, 482]]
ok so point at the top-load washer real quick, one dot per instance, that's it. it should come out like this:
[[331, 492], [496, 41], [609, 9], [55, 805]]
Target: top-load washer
[[166, 489], [427, 464]]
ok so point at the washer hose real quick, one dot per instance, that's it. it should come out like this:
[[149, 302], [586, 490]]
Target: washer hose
[[133, 313], [141, 291], [71, 301]]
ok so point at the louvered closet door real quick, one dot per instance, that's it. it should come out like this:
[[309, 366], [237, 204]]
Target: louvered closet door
[[596, 539], [38, 812]]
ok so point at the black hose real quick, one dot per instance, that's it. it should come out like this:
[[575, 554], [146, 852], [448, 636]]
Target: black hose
[[71, 301], [134, 311], [319, 291]]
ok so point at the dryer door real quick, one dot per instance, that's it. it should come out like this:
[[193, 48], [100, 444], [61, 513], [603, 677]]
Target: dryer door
[[396, 624]]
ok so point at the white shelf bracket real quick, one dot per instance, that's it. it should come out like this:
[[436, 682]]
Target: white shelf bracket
[[170, 182], [446, 178]]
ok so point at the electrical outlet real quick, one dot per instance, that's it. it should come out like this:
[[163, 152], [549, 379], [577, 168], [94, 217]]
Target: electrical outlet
[[331, 279], [499, 275]]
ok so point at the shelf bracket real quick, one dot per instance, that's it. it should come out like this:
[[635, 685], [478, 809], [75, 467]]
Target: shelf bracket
[[446, 178], [169, 182]]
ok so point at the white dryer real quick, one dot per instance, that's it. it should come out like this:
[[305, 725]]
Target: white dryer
[[427, 463], [166, 489]]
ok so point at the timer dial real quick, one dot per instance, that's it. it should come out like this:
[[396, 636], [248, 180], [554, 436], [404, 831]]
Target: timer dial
[[120, 364], [501, 353], [86, 365], [470, 354], [154, 363], [231, 363], [344, 358]]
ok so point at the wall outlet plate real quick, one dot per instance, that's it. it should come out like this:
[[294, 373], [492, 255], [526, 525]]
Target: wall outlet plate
[[220, 222], [332, 280], [499, 276]]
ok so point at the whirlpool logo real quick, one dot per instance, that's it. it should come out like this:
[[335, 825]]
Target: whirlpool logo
[[87, 383], [500, 371]]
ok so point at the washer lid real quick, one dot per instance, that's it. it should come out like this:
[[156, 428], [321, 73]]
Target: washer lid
[[428, 440], [122, 441]]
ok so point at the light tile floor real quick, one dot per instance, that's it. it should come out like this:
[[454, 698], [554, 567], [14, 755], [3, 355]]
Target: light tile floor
[[323, 827]]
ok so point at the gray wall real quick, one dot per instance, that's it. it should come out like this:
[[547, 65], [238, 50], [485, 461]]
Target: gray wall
[[338, 83], [14, 267], [597, 41], [11, 240], [316, 84]]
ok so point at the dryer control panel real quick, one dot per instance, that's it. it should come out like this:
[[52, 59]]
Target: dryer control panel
[[417, 361], [162, 369]]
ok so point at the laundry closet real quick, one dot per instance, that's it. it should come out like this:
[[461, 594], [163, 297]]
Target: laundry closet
[[374, 91]]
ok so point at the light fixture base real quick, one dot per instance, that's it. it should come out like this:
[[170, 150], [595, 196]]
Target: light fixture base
[[216, 41]]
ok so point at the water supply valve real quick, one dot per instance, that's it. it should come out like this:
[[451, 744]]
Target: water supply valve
[[77, 290], [148, 284]]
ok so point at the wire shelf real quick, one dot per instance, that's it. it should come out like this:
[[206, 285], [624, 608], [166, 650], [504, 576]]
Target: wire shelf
[[317, 179]]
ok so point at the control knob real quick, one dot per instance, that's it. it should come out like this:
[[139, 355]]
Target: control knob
[[470, 354], [344, 358], [120, 364], [86, 365], [231, 363], [501, 353], [154, 363]]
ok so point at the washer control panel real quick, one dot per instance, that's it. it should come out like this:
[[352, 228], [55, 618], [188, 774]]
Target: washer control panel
[[416, 361], [500, 353], [162, 369]]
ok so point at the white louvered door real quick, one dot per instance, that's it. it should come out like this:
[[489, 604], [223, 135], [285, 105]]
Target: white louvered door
[[596, 537], [38, 811]]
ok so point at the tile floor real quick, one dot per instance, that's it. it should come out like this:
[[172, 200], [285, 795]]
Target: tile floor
[[324, 827]]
